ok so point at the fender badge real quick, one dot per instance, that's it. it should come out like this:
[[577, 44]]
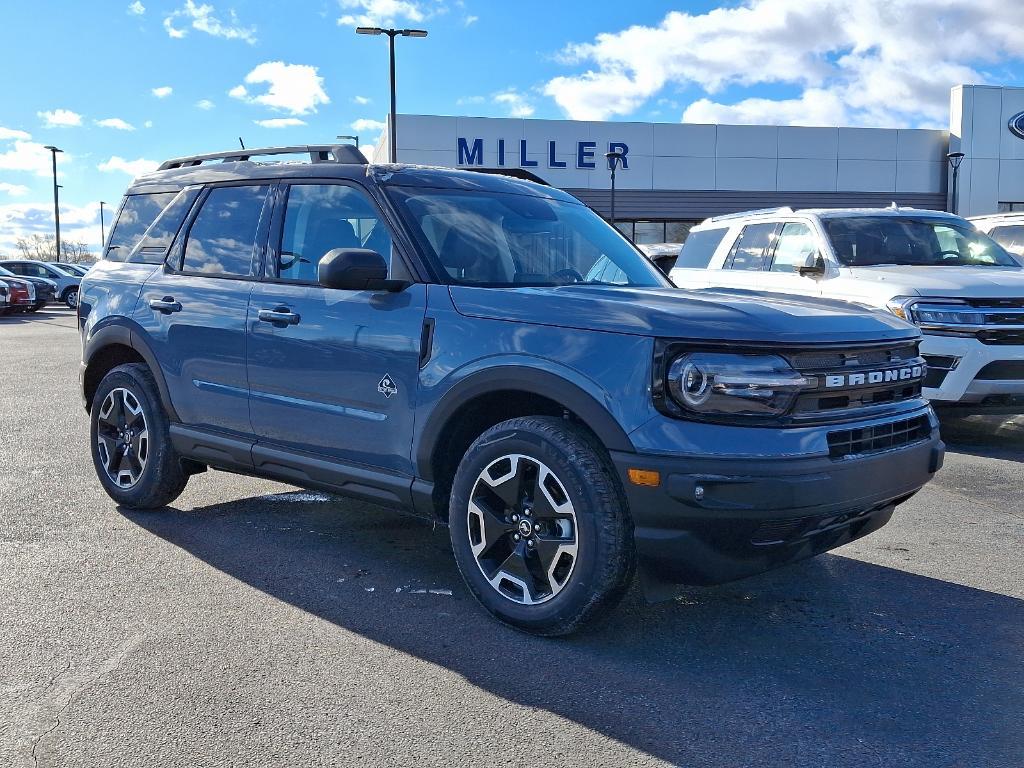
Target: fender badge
[[387, 386]]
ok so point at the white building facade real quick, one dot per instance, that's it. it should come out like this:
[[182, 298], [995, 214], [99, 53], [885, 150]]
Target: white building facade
[[674, 174]]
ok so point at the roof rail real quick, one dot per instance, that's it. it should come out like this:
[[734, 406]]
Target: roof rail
[[318, 153], [515, 173], [744, 214]]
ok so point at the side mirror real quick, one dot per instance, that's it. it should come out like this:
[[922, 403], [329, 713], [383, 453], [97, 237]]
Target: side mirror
[[813, 267], [356, 269]]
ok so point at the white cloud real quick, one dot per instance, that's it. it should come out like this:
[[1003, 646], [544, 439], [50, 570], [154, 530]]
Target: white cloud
[[115, 122], [370, 13], [14, 190], [60, 118], [516, 104], [30, 157], [205, 104], [361, 100], [202, 19], [131, 167], [280, 122], [148, 124], [294, 88], [136, 8], [78, 223], [874, 62], [470, 20], [11, 133], [163, 91], [366, 125]]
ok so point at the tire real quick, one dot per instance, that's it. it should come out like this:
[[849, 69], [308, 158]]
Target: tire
[[36, 307], [580, 558], [70, 298], [150, 475]]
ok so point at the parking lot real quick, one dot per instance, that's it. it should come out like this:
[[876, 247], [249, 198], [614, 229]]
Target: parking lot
[[255, 625]]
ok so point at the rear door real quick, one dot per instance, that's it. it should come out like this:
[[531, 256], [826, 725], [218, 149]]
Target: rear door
[[691, 267], [743, 265], [333, 372], [1011, 237], [194, 309]]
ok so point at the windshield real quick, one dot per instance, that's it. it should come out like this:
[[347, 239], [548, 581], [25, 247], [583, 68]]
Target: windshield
[[872, 241], [503, 239]]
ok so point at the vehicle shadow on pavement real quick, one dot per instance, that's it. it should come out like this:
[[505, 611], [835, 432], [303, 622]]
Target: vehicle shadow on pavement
[[999, 437], [830, 662]]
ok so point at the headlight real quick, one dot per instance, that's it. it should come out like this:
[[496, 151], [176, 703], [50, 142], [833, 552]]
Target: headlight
[[935, 313], [711, 383]]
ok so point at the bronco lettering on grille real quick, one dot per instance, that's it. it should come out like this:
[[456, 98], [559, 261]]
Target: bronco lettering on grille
[[908, 373]]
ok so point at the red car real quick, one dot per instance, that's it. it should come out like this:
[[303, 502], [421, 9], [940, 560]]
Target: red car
[[21, 296]]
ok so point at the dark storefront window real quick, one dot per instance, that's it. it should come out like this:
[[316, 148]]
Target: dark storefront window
[[649, 232]]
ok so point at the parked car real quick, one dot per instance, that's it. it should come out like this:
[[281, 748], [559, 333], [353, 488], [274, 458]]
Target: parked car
[[44, 290], [488, 353], [21, 293], [1007, 229], [935, 269], [73, 267], [5, 299], [67, 284], [664, 255]]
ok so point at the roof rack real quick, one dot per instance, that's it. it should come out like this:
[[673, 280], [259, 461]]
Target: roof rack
[[515, 173], [743, 214], [318, 153]]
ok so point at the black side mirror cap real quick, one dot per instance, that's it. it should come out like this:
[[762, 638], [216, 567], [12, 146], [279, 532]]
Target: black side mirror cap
[[356, 269], [815, 270]]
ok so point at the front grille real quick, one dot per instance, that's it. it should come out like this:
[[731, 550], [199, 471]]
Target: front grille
[[996, 303], [1001, 338], [797, 529], [871, 390], [881, 437]]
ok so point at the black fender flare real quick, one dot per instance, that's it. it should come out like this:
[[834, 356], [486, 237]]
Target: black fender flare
[[128, 334], [532, 380]]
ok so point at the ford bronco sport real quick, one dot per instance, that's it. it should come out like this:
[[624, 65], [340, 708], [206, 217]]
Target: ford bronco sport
[[487, 352]]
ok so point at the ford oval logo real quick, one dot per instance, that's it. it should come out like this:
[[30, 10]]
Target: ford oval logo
[[1016, 125]]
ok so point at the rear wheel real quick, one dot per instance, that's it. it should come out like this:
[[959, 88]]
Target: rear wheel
[[70, 298], [130, 436], [539, 526]]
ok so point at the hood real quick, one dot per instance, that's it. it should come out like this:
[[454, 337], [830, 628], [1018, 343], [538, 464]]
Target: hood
[[672, 313], [948, 282]]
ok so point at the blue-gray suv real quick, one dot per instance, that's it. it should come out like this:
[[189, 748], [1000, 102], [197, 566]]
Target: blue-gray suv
[[487, 352]]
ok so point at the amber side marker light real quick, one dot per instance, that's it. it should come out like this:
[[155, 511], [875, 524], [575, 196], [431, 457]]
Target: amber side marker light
[[646, 477]]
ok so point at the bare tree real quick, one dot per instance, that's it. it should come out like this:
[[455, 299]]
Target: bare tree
[[43, 248]]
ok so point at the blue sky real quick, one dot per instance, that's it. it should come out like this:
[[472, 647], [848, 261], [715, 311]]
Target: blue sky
[[122, 85]]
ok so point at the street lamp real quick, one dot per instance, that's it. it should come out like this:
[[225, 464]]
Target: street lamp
[[103, 229], [955, 158], [56, 200], [354, 138], [392, 34], [614, 158]]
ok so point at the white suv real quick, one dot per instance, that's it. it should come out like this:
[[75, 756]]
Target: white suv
[[962, 289], [1007, 229]]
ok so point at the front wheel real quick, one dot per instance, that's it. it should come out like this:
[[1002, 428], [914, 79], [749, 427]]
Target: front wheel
[[540, 526], [131, 446]]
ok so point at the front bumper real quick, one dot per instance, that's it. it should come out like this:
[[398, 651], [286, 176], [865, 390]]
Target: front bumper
[[712, 520], [967, 360]]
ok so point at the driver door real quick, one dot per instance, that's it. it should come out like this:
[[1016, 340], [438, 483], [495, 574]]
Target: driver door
[[795, 246], [332, 372]]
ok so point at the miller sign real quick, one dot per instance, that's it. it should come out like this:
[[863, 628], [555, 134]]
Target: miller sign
[[471, 152]]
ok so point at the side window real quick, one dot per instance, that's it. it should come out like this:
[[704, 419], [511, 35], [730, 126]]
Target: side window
[[137, 213], [795, 244], [749, 251], [699, 247], [321, 217], [1011, 238], [222, 239], [158, 238]]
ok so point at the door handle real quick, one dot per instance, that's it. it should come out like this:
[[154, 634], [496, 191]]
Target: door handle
[[166, 305], [280, 315]]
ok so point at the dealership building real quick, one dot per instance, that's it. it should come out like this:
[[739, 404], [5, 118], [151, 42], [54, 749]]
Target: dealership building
[[675, 174]]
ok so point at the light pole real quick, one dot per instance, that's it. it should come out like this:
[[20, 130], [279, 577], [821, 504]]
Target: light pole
[[56, 199], [392, 34], [354, 138], [955, 158], [103, 228], [614, 158]]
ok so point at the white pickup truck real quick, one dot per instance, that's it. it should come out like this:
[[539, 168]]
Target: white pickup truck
[[963, 290]]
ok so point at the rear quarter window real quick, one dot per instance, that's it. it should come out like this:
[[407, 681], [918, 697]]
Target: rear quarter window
[[699, 247], [137, 213]]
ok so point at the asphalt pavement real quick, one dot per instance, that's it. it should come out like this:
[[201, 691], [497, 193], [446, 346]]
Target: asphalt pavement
[[256, 625]]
